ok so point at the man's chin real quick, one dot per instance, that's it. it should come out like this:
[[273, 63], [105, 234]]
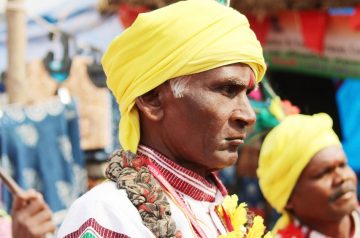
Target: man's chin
[[226, 159], [346, 208]]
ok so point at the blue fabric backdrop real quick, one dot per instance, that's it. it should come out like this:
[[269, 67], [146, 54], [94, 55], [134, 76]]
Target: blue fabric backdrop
[[40, 148]]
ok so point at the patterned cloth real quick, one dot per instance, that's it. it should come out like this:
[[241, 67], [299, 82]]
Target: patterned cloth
[[131, 172], [107, 210], [297, 230], [39, 147]]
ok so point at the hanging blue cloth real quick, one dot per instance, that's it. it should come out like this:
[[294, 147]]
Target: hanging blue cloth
[[40, 149], [347, 97]]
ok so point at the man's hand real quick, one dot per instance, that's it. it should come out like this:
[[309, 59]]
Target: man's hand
[[31, 216]]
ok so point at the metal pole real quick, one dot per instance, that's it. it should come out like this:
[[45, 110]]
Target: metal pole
[[15, 80]]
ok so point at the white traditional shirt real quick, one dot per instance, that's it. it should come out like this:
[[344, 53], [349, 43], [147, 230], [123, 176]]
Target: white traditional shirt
[[306, 232], [106, 211]]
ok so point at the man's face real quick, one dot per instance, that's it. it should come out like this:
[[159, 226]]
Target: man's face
[[326, 189], [204, 127]]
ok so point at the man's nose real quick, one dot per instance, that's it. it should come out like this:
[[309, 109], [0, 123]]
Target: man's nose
[[244, 114], [339, 176]]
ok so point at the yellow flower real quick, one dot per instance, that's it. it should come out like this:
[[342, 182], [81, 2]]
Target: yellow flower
[[257, 229], [233, 234], [268, 235], [276, 108], [229, 204], [238, 219]]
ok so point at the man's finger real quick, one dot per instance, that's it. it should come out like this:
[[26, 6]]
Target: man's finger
[[42, 229], [22, 198], [35, 206], [41, 217]]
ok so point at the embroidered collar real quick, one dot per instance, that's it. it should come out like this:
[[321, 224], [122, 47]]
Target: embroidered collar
[[183, 180]]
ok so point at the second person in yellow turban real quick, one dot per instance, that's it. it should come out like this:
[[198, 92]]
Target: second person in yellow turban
[[303, 174]]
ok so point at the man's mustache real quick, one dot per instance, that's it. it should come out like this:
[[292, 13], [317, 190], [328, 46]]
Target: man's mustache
[[341, 191]]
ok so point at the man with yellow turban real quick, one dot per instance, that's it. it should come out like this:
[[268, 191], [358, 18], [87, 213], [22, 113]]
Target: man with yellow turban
[[180, 75], [303, 173]]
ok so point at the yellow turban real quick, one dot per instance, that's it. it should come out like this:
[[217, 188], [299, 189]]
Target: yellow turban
[[180, 39], [286, 151]]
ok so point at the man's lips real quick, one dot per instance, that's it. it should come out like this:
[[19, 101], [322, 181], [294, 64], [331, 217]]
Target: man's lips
[[235, 141], [343, 192]]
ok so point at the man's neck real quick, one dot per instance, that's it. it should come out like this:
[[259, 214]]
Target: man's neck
[[195, 168], [171, 155], [342, 228], [182, 179]]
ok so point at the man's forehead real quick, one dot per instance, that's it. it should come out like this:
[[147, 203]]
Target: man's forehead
[[328, 155], [229, 72]]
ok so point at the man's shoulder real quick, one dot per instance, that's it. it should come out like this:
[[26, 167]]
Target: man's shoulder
[[105, 196], [105, 191], [103, 208]]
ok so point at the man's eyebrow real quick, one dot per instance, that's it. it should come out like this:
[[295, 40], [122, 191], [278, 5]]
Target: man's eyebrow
[[251, 85], [235, 81]]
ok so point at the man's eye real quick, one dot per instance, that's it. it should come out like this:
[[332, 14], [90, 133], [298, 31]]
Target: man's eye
[[325, 172], [230, 90]]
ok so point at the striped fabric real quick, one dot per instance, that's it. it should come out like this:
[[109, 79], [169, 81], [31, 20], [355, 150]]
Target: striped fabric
[[92, 229], [184, 181]]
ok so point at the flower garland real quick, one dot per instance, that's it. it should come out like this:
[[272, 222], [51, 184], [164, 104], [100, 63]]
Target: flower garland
[[238, 221], [131, 172]]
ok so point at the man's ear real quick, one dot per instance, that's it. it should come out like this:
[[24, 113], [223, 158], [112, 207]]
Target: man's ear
[[289, 206], [150, 104]]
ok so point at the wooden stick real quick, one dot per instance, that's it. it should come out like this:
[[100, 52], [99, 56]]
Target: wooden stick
[[15, 81], [10, 183]]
